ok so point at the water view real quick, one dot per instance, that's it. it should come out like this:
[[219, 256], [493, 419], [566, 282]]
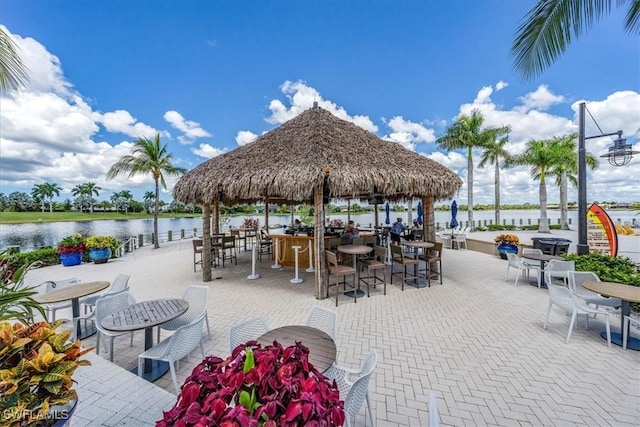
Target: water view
[[32, 236]]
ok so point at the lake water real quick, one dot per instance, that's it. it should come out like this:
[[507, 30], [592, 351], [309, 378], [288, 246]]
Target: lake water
[[36, 235]]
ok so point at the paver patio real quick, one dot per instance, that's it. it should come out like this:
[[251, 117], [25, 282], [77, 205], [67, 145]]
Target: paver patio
[[476, 341]]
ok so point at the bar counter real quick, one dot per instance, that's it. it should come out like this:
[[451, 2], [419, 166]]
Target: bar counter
[[286, 242]]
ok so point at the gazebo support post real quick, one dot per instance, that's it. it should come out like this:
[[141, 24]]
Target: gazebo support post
[[375, 209], [206, 243], [318, 240], [216, 216], [429, 218], [266, 213]]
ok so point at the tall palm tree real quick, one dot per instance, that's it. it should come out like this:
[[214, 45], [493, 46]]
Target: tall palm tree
[[493, 153], [44, 191], [541, 156], [467, 133], [13, 73], [148, 157], [149, 198], [38, 194], [547, 29], [565, 170], [91, 188]]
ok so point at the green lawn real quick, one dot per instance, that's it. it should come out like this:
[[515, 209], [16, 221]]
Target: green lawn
[[22, 217]]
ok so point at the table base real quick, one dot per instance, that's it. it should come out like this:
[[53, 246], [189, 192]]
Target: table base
[[359, 293], [158, 369], [86, 332], [616, 338], [420, 283]]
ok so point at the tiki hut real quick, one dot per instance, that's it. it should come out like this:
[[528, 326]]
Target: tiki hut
[[313, 156]]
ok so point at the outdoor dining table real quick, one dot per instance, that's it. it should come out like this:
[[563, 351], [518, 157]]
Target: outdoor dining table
[[74, 293], [543, 259], [627, 294], [145, 315], [354, 251], [417, 244], [322, 348]]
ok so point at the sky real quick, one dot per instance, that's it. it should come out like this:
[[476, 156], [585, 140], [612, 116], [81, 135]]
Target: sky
[[209, 76]]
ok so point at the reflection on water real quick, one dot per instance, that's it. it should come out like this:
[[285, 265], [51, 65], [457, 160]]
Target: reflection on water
[[37, 235]]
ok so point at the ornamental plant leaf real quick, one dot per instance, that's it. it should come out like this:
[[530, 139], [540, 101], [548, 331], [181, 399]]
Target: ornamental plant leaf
[[249, 361]]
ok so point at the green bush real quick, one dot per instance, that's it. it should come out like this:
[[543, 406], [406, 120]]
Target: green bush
[[48, 256], [608, 269]]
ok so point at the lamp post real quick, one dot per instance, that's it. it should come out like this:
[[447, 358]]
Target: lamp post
[[619, 154]]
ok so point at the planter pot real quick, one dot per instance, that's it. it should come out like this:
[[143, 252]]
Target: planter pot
[[71, 259], [61, 415], [504, 248], [100, 256]]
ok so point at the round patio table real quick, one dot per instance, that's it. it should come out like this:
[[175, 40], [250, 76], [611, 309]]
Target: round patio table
[[543, 258], [627, 294], [417, 244], [355, 250]]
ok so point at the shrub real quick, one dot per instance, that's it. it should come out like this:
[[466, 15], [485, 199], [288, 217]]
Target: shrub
[[71, 244], [47, 256], [507, 239], [608, 268], [103, 242]]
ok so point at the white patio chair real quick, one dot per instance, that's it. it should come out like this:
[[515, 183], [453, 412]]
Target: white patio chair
[[562, 297], [119, 284], [183, 341], [625, 330], [105, 306], [556, 269], [459, 240], [355, 392], [51, 285], [246, 330], [324, 319], [197, 296], [577, 278], [514, 261]]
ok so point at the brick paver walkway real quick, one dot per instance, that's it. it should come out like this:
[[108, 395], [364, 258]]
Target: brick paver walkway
[[476, 341]]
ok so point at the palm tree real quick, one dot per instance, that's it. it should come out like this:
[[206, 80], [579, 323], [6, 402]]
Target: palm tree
[[91, 188], [467, 133], [541, 156], [148, 157], [547, 29], [565, 169], [38, 194], [13, 73], [46, 190], [492, 154], [149, 198]]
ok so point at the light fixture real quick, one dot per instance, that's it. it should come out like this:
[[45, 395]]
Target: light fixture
[[621, 153]]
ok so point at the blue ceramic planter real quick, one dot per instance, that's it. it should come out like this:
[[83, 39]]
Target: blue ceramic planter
[[71, 259], [100, 256], [504, 249]]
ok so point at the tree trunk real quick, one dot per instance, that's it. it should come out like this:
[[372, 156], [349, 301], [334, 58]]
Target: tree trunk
[[318, 244], [496, 189], [206, 243], [266, 214], [156, 241], [429, 219], [544, 222], [564, 208], [470, 188]]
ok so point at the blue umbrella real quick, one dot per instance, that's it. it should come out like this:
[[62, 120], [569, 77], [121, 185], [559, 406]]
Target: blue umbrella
[[454, 212], [387, 218], [420, 213]]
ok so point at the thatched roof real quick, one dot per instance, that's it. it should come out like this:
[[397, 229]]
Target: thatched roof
[[288, 162]]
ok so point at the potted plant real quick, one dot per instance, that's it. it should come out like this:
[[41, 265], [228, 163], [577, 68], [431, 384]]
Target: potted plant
[[71, 249], [101, 248], [257, 386], [36, 362], [507, 243], [251, 223]]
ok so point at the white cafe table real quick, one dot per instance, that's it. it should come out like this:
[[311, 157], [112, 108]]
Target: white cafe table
[[354, 251]]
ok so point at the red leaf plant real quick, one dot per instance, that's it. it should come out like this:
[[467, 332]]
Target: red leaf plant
[[257, 387]]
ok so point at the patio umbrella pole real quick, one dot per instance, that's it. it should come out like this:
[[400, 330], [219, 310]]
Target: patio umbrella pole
[[318, 238]]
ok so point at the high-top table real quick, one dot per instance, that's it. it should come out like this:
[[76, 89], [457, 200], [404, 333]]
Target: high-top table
[[74, 293], [627, 295], [322, 349], [417, 244], [543, 258], [354, 251], [145, 315]]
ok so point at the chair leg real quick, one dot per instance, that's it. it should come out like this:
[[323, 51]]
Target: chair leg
[[140, 366], [98, 342], [206, 318], [571, 323], [111, 350], [609, 332], [546, 319]]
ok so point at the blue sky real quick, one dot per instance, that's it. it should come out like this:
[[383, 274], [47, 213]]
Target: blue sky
[[209, 75]]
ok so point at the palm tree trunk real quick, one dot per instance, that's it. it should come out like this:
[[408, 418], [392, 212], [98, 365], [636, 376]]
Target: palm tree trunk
[[156, 243], [470, 188], [564, 209], [544, 222], [496, 189]]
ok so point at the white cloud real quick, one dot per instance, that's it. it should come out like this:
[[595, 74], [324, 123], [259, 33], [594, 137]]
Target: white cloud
[[408, 133], [501, 85], [207, 151], [541, 99], [122, 121], [191, 129], [244, 137]]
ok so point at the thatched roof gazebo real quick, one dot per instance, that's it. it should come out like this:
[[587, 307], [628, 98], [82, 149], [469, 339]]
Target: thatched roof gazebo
[[312, 155]]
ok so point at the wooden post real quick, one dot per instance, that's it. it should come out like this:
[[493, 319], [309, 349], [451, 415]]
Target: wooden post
[[318, 240], [429, 218], [216, 217], [206, 243], [266, 213]]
